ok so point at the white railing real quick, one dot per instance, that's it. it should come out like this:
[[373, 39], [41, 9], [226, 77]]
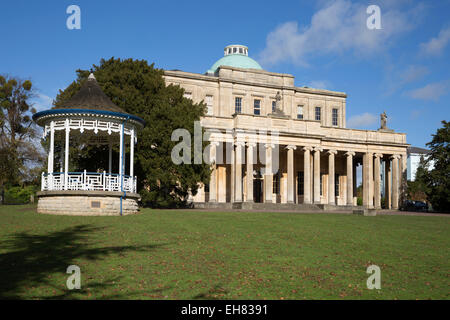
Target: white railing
[[87, 181]]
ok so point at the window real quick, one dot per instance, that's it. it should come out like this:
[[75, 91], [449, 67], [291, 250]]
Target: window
[[234, 50], [276, 183], [241, 51], [318, 113], [336, 185], [334, 117], [257, 107], [209, 105], [300, 183], [274, 106], [238, 104], [299, 112], [188, 95], [229, 50]]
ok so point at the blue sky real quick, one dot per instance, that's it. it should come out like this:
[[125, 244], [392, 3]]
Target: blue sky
[[403, 68]]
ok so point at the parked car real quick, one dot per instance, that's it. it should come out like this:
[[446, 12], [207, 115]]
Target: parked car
[[420, 206], [411, 205]]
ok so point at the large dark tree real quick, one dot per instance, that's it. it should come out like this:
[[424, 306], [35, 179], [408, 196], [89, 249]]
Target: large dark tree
[[140, 89], [18, 133], [438, 178]]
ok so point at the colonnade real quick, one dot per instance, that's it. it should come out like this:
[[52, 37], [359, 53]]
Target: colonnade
[[244, 153]]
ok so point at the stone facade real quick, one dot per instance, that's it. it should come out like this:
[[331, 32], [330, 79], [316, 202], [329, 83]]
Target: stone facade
[[315, 156], [87, 203]]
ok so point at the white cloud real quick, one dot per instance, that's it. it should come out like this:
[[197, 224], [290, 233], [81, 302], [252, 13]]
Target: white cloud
[[436, 46], [319, 84], [432, 91], [42, 102], [362, 120], [397, 79], [338, 27]]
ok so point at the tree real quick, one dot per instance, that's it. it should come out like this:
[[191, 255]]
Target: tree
[[418, 189], [140, 89], [18, 132], [438, 178]]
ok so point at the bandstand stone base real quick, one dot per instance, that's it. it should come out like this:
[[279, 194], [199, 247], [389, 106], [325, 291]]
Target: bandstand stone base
[[87, 203]]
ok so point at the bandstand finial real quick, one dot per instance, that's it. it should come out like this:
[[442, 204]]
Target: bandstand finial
[[91, 77]]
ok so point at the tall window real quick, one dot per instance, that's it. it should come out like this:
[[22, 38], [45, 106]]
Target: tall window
[[334, 117], [336, 185], [318, 113], [274, 106], [276, 183], [238, 105], [257, 107], [299, 112], [300, 183], [209, 105]]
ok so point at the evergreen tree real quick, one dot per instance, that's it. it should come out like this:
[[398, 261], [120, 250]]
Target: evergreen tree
[[438, 178], [18, 132], [140, 89]]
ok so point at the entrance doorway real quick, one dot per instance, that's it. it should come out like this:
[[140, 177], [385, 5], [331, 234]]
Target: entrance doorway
[[257, 190]]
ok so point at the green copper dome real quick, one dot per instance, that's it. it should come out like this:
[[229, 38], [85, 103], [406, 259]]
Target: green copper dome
[[235, 56]]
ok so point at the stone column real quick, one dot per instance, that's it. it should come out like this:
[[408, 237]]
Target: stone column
[[290, 173], [368, 180], [238, 167], [387, 184], [377, 186], [395, 182], [350, 155], [317, 151], [233, 172], [213, 180], [268, 174], [331, 177], [250, 146], [307, 175]]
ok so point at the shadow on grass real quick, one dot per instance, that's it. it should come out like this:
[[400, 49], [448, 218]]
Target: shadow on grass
[[215, 293], [30, 260]]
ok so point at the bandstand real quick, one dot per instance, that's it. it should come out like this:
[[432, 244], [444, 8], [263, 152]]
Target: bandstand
[[89, 118]]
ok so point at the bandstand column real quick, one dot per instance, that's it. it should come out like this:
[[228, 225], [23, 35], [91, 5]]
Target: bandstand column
[[350, 155], [377, 182], [290, 173], [132, 154], [307, 174], [66, 157], [331, 177], [317, 151], [250, 146], [51, 148]]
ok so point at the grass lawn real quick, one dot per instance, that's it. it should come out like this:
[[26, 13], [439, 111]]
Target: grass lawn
[[222, 255]]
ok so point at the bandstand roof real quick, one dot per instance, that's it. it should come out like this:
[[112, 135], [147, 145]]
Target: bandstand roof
[[90, 99]]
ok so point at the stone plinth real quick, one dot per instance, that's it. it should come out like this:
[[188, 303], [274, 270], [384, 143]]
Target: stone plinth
[[87, 203]]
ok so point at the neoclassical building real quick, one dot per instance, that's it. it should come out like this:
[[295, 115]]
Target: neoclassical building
[[273, 142]]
